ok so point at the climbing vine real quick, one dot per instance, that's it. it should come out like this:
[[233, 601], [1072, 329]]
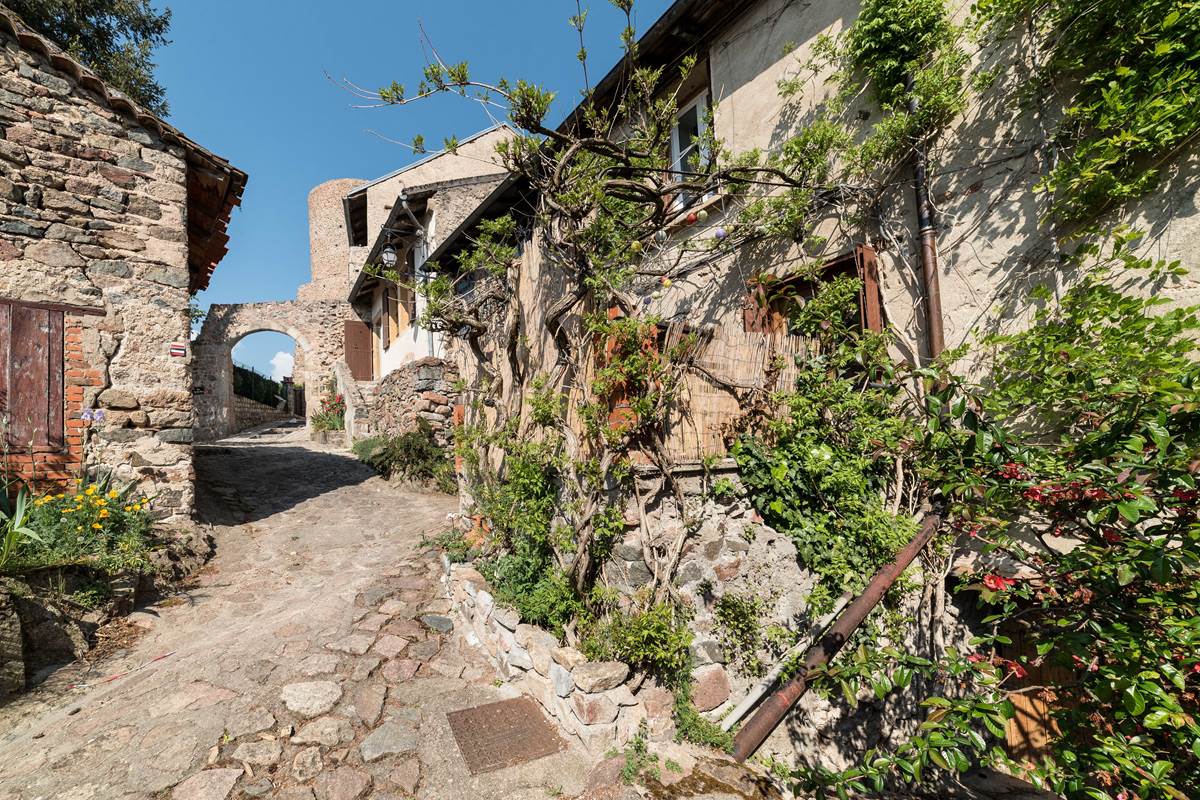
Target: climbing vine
[[1126, 83], [1082, 427]]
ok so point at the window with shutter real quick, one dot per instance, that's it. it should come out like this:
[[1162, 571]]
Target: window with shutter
[[31, 375], [765, 309]]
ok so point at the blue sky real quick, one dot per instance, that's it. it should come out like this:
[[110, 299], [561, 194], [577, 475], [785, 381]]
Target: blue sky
[[246, 79]]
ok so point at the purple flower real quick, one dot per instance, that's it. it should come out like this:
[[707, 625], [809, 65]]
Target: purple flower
[[98, 415], [86, 415]]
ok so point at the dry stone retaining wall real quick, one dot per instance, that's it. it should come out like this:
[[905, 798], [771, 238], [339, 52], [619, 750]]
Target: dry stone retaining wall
[[421, 389], [93, 214], [592, 701], [247, 413]]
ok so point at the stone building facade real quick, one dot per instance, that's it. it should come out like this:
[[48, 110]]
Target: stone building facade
[[109, 219]]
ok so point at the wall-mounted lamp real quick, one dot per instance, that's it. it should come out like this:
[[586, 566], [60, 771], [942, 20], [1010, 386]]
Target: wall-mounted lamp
[[388, 257]]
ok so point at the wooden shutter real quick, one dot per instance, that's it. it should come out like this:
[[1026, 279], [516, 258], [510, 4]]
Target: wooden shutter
[[31, 375], [358, 349]]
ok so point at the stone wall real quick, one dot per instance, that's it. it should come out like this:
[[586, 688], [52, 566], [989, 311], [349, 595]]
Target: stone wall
[[93, 216], [248, 413], [591, 701], [421, 389]]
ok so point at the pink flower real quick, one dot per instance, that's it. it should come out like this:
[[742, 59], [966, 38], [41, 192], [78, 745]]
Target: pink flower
[[998, 583]]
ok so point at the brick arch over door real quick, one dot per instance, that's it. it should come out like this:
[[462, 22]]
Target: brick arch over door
[[316, 327]]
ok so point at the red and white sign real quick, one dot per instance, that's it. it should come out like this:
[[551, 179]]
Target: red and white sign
[[178, 350]]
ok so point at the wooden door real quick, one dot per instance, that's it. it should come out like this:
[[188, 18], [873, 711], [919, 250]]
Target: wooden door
[[358, 350], [31, 375]]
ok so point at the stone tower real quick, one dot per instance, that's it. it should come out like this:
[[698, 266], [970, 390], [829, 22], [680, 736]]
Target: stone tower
[[331, 261]]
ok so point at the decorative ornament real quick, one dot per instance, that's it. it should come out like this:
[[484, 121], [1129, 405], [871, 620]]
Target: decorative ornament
[[702, 215], [692, 218], [657, 293], [660, 236], [720, 234], [635, 247], [665, 281], [646, 299]]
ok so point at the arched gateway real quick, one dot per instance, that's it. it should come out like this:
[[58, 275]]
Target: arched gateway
[[315, 326], [315, 320]]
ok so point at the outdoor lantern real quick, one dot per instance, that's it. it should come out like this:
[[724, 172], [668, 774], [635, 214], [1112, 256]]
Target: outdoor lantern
[[388, 256]]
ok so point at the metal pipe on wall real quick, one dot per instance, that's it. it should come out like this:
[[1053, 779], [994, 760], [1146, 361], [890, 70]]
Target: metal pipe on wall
[[775, 708], [928, 232]]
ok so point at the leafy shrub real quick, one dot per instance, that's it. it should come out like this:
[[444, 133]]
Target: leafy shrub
[[655, 641], [454, 544], [821, 471], [413, 455], [542, 594], [99, 526], [723, 490], [331, 416], [740, 631]]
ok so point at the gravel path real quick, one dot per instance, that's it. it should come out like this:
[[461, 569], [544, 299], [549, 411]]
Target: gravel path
[[296, 667]]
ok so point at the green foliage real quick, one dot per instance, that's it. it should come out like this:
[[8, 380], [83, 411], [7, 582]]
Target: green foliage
[[692, 726], [115, 38], [638, 758], [822, 470], [249, 383], [331, 416], [1088, 429], [739, 620], [655, 641], [414, 455], [723, 490], [97, 526], [1129, 73], [15, 531], [455, 544], [526, 574]]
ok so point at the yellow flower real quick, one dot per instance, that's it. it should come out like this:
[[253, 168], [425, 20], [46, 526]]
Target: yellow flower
[[102, 502], [90, 490], [68, 510], [78, 527], [103, 513], [128, 508], [97, 525], [59, 496], [114, 494]]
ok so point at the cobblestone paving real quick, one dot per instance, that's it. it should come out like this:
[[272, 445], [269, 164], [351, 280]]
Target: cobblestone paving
[[297, 667]]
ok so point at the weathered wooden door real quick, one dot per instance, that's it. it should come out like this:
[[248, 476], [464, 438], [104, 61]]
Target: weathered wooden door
[[359, 350], [31, 375]]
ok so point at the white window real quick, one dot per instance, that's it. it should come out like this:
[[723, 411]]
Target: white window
[[687, 152]]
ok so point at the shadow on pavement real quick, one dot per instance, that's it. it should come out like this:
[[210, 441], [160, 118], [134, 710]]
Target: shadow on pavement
[[244, 482]]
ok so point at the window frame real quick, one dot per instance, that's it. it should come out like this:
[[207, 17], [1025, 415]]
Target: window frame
[[701, 102]]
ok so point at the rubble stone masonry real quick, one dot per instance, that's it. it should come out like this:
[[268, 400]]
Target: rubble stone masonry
[[93, 217]]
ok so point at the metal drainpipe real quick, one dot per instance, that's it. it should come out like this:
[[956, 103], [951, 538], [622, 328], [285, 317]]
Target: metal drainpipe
[[928, 232], [775, 708]]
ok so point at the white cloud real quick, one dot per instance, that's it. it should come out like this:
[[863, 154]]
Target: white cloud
[[281, 365]]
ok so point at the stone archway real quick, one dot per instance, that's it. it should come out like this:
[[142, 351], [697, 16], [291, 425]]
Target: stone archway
[[315, 326]]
